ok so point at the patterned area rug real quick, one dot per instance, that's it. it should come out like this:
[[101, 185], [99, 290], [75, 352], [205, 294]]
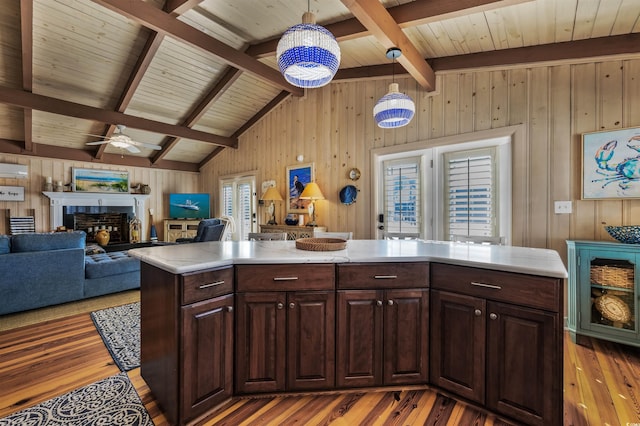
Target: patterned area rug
[[119, 328], [112, 401]]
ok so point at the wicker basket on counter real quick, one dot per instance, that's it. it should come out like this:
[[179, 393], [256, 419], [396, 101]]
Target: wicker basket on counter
[[612, 276], [321, 244]]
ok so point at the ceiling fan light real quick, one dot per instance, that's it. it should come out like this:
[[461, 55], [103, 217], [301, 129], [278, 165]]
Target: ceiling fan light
[[394, 109], [308, 55]]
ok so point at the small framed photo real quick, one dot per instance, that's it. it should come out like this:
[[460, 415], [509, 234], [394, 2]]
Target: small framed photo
[[90, 180], [298, 177], [611, 164]]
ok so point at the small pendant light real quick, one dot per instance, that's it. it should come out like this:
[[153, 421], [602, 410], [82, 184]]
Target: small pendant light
[[394, 109], [308, 55]]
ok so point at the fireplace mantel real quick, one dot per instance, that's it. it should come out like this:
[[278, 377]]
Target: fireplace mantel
[[60, 199]]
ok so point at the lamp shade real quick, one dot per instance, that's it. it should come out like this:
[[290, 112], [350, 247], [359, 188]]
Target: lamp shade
[[394, 109], [312, 192], [272, 194], [308, 55]]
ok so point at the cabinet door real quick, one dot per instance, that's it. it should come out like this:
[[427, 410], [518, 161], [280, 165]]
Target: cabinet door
[[260, 342], [607, 286], [359, 350], [311, 340], [406, 336], [207, 354], [458, 333], [521, 374]]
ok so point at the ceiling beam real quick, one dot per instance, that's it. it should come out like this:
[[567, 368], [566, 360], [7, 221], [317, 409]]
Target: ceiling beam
[[26, 30], [553, 52], [64, 153], [376, 19], [27, 100], [164, 23], [406, 15]]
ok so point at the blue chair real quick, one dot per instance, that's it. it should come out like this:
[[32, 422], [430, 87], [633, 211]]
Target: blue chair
[[208, 230]]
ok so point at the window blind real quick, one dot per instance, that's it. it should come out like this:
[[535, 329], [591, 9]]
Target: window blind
[[402, 195], [470, 188]]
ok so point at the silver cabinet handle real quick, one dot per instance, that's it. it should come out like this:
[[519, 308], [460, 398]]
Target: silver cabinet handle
[[285, 278], [279, 306], [493, 316], [477, 312], [385, 277], [292, 305], [229, 308], [496, 287], [379, 303], [390, 302], [203, 286]]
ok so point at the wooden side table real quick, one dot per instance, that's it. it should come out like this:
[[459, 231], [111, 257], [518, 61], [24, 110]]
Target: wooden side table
[[294, 232]]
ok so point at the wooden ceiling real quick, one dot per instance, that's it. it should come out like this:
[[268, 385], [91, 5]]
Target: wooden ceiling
[[193, 75]]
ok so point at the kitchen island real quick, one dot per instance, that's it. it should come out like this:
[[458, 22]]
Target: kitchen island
[[229, 318]]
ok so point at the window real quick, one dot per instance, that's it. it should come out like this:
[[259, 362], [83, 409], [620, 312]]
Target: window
[[470, 193], [238, 201], [402, 187]]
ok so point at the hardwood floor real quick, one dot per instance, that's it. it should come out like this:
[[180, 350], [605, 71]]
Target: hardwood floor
[[40, 361]]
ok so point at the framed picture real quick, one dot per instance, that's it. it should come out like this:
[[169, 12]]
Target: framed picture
[[298, 177], [611, 164], [90, 180]]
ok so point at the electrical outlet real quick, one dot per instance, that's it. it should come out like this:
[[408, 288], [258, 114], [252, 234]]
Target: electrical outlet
[[562, 207]]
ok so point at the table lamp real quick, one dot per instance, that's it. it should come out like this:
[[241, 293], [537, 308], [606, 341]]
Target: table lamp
[[272, 194], [312, 192]]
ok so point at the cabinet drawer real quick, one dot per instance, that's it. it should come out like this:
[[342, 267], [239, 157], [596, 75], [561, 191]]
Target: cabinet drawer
[[207, 284], [285, 277], [520, 289], [383, 275]]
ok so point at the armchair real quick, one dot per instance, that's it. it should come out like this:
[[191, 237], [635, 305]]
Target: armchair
[[208, 230]]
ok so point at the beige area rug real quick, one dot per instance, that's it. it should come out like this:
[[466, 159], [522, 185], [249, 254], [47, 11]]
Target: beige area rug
[[21, 319]]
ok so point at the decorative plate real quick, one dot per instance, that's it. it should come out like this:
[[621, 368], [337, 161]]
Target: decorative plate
[[354, 174]]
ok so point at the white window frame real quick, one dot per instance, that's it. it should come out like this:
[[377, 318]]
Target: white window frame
[[431, 152], [236, 179]]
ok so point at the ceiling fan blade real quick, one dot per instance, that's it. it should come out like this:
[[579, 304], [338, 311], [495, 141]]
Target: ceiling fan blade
[[146, 145], [97, 143], [132, 149]]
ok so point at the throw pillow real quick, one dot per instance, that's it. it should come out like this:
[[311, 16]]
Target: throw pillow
[[93, 249], [5, 244]]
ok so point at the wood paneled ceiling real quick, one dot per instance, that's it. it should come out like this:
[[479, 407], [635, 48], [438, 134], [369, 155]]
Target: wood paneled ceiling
[[193, 75]]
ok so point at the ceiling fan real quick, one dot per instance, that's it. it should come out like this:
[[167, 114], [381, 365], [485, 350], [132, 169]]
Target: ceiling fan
[[122, 141]]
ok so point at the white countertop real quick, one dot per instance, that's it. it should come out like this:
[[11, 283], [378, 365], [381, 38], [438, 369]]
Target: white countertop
[[183, 258]]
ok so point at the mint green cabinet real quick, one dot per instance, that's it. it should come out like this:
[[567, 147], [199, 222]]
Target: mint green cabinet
[[603, 291]]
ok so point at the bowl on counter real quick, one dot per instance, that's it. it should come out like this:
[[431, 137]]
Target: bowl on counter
[[629, 234]]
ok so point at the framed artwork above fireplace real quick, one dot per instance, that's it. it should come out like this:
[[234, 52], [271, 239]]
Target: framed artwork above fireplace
[[91, 180]]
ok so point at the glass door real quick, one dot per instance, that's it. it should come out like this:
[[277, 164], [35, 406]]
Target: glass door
[[609, 301]]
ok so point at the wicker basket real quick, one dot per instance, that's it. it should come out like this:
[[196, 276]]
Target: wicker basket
[[613, 308], [612, 276], [321, 244]]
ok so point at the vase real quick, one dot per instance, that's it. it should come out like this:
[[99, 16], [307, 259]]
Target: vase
[[102, 237]]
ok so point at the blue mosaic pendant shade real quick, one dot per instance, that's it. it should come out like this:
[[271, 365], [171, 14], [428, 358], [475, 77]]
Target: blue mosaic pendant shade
[[308, 55], [394, 109]]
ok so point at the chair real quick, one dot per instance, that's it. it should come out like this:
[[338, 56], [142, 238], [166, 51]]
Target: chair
[[267, 236], [343, 235], [478, 239], [401, 236], [208, 230]]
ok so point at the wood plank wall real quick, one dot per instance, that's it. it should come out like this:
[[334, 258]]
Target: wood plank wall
[[162, 182], [334, 128]]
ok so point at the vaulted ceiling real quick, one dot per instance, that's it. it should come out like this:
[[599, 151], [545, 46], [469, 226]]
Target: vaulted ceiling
[[192, 75]]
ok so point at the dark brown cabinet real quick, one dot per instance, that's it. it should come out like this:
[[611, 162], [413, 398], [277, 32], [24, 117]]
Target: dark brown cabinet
[[187, 336], [494, 343], [285, 339], [383, 333]]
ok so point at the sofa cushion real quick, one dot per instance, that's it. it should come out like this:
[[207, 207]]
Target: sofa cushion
[[107, 264], [5, 244], [47, 241]]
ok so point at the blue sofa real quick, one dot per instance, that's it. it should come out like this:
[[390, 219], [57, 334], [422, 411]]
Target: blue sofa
[[44, 269]]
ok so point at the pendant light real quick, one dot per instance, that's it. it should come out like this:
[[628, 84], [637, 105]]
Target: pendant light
[[394, 109], [308, 54]]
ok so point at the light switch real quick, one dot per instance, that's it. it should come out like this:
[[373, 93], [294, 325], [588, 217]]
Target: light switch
[[562, 207]]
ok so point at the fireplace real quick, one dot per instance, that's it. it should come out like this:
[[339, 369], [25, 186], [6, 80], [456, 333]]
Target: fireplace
[[81, 210]]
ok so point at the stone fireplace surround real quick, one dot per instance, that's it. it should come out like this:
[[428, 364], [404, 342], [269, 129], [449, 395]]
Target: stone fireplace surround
[[58, 200]]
